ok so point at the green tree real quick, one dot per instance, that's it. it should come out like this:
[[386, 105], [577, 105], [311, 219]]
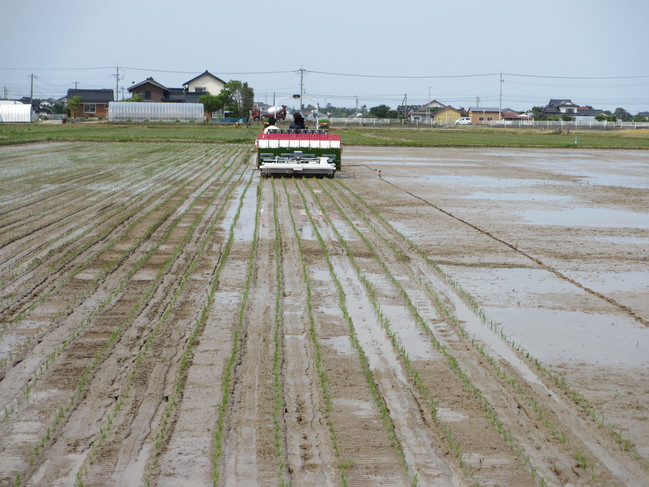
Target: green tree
[[623, 115], [212, 103], [73, 105], [58, 108], [640, 118], [538, 112], [238, 98], [136, 97], [380, 111]]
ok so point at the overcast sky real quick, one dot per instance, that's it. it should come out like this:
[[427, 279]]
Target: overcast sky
[[365, 52]]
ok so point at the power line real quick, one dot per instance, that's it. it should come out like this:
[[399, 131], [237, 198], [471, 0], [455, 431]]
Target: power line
[[357, 75]]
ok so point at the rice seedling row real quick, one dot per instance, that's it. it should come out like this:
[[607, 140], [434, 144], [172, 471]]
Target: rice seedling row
[[39, 266], [136, 309], [105, 270], [571, 442]]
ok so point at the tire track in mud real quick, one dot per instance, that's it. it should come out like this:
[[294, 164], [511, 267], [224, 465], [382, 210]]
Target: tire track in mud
[[129, 302], [310, 438], [375, 374], [202, 391], [505, 387], [621, 307], [248, 448], [145, 432]]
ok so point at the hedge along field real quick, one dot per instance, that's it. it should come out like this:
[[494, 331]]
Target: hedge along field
[[170, 318], [373, 136]]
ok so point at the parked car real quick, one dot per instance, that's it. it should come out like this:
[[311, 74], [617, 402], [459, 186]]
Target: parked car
[[463, 121]]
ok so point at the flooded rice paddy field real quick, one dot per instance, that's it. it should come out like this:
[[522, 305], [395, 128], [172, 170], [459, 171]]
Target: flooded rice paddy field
[[428, 317]]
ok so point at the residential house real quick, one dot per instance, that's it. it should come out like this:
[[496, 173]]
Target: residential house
[[153, 91], [567, 107], [509, 115], [560, 107], [445, 116], [482, 115], [92, 103], [204, 83], [150, 90], [422, 114]]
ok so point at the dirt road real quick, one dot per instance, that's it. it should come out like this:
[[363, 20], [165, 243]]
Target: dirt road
[[428, 317]]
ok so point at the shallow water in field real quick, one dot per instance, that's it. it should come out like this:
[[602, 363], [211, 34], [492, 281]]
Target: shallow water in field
[[245, 226], [587, 217], [536, 197], [575, 336]]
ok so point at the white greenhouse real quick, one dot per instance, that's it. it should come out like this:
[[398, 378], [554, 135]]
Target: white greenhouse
[[122, 111], [18, 112]]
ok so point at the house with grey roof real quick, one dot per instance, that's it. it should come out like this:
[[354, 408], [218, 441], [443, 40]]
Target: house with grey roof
[[205, 82], [423, 112], [153, 91], [567, 107], [481, 115], [92, 103], [560, 106]]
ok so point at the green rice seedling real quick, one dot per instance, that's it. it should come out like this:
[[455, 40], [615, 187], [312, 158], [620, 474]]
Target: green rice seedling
[[490, 412], [99, 357], [217, 440]]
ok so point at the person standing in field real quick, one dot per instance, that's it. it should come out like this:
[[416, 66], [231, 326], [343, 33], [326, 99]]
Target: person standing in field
[[298, 122], [271, 125]]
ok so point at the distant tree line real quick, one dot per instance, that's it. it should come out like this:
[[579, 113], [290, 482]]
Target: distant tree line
[[619, 115]]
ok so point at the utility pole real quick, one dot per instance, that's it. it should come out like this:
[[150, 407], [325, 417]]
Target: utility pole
[[117, 78], [31, 93], [477, 102], [301, 71], [500, 103]]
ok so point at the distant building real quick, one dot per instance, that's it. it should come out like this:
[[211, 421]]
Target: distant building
[[92, 103], [422, 114], [204, 83], [562, 107], [192, 90], [482, 115], [445, 116]]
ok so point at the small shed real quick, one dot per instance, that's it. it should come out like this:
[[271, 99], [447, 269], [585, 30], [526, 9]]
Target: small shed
[[16, 112]]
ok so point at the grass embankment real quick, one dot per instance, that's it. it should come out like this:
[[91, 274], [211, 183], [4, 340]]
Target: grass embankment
[[374, 136]]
